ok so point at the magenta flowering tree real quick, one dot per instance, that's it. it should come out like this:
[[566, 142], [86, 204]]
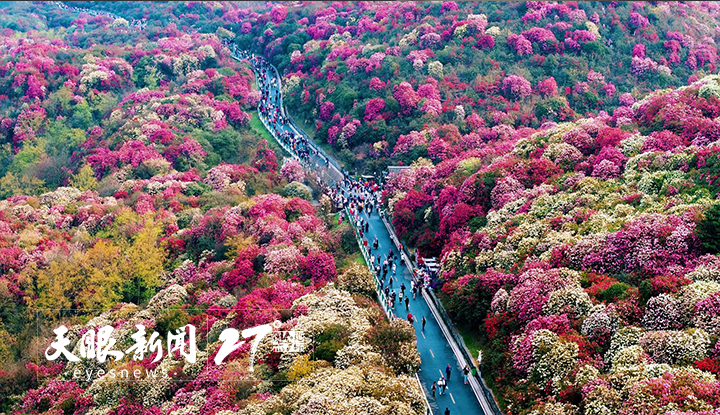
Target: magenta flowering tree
[[595, 78], [30, 122], [233, 112], [278, 13], [475, 121], [449, 6], [55, 396], [406, 96], [319, 267], [240, 276], [326, 110], [430, 40], [376, 84], [707, 314], [547, 87], [486, 42], [533, 290], [638, 51], [519, 44], [432, 107], [581, 87], [407, 142], [292, 171], [626, 99], [643, 66], [374, 109], [606, 170], [544, 37], [662, 141], [609, 89], [516, 87], [638, 21]]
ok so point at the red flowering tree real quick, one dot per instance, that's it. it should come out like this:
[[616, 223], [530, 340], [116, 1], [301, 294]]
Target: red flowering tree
[[319, 267]]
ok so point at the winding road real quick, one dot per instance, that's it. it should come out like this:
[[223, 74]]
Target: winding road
[[436, 348]]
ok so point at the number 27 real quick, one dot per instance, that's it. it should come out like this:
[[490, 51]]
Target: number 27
[[230, 338]]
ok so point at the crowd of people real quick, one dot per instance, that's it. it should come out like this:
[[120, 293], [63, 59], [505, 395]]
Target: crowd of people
[[270, 110], [363, 199]]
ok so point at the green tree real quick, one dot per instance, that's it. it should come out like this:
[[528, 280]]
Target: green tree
[[85, 178], [82, 116], [707, 230]]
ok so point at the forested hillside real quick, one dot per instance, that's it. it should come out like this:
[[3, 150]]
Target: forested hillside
[[139, 187]]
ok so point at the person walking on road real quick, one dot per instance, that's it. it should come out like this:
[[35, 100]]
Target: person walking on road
[[448, 370], [402, 286], [410, 318], [423, 323], [442, 383], [447, 411], [407, 303], [466, 372], [434, 387]]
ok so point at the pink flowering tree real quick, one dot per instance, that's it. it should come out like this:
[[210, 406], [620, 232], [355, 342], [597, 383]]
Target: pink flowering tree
[[449, 6], [519, 44], [319, 267], [547, 87], [326, 110], [406, 96], [516, 87], [278, 13], [292, 171], [638, 51], [374, 109], [376, 84]]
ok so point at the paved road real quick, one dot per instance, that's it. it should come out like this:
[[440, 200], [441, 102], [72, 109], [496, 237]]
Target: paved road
[[435, 351]]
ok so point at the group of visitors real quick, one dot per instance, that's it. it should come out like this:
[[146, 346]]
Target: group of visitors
[[358, 196], [270, 109]]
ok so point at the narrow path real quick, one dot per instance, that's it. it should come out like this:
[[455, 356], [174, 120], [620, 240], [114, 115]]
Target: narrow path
[[435, 351]]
